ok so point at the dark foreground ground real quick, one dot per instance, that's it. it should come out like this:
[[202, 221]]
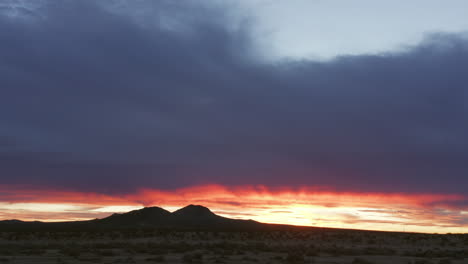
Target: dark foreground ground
[[332, 246]]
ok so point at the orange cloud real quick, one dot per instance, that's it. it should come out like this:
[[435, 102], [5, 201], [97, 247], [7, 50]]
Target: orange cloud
[[300, 206]]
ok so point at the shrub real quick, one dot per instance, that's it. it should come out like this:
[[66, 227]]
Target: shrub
[[445, 261], [219, 260], [193, 258], [33, 251], [89, 257], [156, 259], [422, 261], [361, 261], [107, 253], [295, 257], [71, 251], [247, 258]]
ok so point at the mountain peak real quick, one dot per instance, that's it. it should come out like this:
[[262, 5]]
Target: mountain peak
[[144, 216], [153, 209], [149, 211], [194, 210]]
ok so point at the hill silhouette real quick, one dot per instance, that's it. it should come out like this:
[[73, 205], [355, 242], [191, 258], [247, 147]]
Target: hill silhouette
[[194, 211], [189, 217], [146, 217]]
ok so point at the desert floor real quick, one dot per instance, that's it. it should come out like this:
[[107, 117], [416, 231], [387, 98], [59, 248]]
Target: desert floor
[[324, 246]]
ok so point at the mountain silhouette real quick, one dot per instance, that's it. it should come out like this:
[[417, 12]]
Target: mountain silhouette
[[146, 217], [196, 211], [197, 216], [190, 217]]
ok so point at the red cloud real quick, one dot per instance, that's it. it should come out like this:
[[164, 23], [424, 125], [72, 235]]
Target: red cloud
[[264, 204]]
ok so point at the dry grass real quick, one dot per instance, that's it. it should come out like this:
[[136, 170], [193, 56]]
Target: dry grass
[[332, 246]]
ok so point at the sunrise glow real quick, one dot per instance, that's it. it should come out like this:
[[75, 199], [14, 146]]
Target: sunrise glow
[[304, 207]]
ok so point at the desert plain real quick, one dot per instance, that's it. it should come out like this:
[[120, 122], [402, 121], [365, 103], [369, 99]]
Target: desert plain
[[327, 246]]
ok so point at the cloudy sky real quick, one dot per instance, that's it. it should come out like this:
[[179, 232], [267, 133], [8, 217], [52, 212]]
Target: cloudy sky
[[305, 112]]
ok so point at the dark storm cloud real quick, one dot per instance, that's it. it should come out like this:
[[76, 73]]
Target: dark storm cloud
[[155, 94]]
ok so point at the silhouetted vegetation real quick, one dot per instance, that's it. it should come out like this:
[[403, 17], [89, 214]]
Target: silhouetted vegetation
[[361, 261], [195, 257], [215, 246]]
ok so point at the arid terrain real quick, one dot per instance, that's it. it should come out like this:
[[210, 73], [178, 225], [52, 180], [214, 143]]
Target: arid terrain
[[152, 235], [320, 246]]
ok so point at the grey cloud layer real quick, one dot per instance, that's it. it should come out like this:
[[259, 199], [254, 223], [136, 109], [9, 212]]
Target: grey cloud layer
[[95, 99]]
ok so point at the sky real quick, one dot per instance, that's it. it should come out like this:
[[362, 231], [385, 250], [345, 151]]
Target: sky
[[318, 113]]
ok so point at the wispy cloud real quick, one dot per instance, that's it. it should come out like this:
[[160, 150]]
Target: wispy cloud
[[381, 211]]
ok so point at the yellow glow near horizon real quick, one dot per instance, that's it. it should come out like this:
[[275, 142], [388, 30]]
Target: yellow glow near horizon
[[294, 214], [40, 207], [306, 207], [117, 209]]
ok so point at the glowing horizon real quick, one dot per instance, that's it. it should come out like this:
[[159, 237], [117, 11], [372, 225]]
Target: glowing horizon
[[428, 213]]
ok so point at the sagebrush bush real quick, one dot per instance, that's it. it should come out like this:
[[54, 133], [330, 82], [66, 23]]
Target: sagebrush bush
[[156, 259], [195, 257], [295, 257], [361, 261]]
